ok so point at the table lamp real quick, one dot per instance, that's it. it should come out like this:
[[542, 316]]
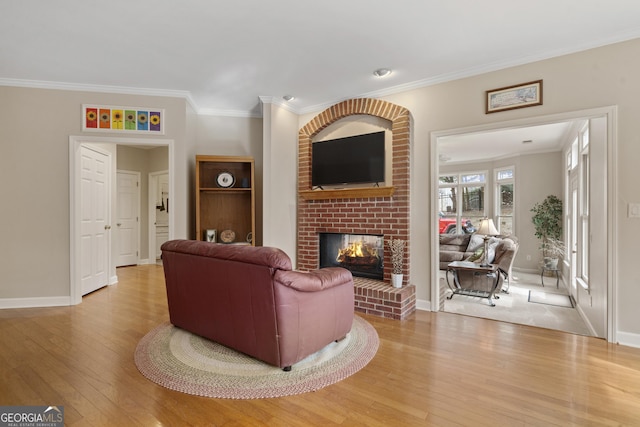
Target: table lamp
[[488, 228]]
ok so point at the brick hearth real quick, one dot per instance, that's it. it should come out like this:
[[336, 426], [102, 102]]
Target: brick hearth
[[361, 213], [380, 299]]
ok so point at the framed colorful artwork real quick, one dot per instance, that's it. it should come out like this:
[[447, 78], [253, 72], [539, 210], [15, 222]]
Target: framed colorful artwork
[[108, 118]]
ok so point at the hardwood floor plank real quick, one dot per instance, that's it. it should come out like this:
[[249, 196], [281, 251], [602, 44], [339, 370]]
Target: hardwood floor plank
[[438, 369]]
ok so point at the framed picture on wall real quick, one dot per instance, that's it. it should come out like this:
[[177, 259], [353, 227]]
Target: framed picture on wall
[[511, 97], [110, 118]]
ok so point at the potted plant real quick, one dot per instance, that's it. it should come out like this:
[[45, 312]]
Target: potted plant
[[397, 259], [547, 221]]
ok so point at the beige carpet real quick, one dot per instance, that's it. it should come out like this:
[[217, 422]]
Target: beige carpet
[[515, 307]]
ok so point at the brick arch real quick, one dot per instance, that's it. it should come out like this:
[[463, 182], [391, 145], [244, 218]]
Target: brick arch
[[396, 114], [372, 107]]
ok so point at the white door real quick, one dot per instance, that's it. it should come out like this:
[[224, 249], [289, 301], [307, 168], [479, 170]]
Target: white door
[[94, 214], [127, 222]]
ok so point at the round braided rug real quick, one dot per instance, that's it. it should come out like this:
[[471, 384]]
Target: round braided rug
[[181, 361]]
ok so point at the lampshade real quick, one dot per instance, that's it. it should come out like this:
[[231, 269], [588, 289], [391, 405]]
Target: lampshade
[[487, 228]]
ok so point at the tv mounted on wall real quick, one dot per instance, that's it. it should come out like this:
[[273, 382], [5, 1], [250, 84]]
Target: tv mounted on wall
[[351, 160]]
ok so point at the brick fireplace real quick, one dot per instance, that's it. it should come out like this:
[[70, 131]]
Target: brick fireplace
[[375, 211]]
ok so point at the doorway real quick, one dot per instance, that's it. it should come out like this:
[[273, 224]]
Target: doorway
[[128, 218], [158, 213], [107, 144], [602, 240]]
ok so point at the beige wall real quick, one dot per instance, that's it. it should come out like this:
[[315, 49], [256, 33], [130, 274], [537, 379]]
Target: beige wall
[[591, 79], [35, 125], [595, 78]]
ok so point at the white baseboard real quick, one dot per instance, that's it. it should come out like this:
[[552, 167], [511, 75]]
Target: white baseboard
[[628, 338], [423, 305], [35, 302]]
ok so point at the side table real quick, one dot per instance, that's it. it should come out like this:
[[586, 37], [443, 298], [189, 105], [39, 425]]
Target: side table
[[555, 270], [469, 289]]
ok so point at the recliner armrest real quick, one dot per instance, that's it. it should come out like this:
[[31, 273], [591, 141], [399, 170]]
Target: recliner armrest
[[316, 280]]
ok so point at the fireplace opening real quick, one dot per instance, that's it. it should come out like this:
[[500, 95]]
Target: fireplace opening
[[362, 254]]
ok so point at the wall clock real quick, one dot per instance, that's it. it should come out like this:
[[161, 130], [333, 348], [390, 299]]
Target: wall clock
[[225, 179]]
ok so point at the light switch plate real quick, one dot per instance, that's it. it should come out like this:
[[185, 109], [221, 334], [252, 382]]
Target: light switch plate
[[633, 210]]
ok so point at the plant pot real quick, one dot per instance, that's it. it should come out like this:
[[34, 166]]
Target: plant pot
[[551, 263], [396, 280]]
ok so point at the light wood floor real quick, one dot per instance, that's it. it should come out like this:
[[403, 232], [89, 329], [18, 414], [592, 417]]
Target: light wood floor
[[437, 369]]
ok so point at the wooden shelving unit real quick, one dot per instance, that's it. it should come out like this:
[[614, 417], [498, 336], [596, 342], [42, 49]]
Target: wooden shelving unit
[[219, 208]]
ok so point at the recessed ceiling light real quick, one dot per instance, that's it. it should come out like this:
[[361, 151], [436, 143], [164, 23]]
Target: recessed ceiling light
[[382, 72], [288, 98]]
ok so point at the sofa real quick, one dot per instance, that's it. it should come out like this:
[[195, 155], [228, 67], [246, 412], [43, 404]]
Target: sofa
[[249, 299], [460, 247]]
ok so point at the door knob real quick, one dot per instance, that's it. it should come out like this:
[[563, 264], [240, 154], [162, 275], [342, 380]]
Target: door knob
[[107, 227], [118, 224]]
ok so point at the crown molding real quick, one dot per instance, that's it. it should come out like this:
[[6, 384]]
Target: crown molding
[[279, 102], [229, 113], [81, 87], [41, 84]]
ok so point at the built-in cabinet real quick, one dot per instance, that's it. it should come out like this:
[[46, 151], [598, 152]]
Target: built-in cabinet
[[225, 199]]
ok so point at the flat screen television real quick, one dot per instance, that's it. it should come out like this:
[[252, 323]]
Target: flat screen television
[[351, 160]]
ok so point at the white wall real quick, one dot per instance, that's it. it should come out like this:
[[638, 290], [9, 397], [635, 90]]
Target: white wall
[[280, 162]]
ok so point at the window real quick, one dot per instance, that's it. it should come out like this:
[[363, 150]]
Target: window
[[577, 220], [584, 140], [574, 154], [505, 199], [461, 201], [584, 191]]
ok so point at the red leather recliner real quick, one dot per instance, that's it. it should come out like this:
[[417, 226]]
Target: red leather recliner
[[249, 299]]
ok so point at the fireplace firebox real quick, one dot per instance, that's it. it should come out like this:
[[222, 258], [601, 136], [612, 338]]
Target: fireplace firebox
[[362, 254]]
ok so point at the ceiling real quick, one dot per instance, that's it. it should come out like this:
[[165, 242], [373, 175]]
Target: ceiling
[[504, 143], [224, 56]]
